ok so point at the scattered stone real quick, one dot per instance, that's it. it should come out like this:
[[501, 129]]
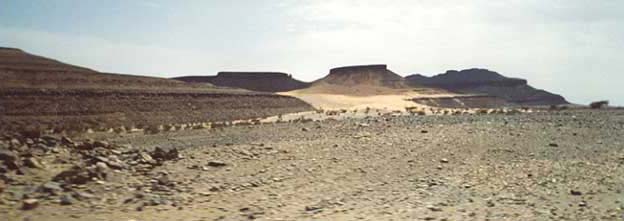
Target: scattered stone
[[305, 129], [165, 153], [29, 204], [83, 195], [52, 187], [582, 204], [9, 159], [99, 143], [313, 208], [434, 208], [33, 163], [79, 175], [553, 145], [67, 199], [67, 141], [576, 192], [146, 158], [444, 160], [424, 131], [216, 163]]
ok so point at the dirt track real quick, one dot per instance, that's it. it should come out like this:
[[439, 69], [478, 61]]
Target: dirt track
[[541, 166]]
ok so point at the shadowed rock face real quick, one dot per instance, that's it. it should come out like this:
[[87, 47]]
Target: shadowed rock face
[[255, 81], [482, 81], [374, 75]]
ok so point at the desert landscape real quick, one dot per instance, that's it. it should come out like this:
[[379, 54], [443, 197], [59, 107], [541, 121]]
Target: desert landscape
[[361, 143]]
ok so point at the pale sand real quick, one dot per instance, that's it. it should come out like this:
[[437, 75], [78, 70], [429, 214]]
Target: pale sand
[[334, 97]]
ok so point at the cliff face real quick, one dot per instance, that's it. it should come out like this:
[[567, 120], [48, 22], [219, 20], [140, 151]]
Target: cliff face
[[255, 81], [371, 75], [482, 81]]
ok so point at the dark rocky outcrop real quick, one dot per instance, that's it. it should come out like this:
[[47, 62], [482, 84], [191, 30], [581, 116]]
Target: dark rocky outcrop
[[255, 81], [482, 81]]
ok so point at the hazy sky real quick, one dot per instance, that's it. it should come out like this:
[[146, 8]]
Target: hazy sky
[[571, 47]]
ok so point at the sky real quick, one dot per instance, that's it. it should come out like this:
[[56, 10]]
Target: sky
[[570, 47]]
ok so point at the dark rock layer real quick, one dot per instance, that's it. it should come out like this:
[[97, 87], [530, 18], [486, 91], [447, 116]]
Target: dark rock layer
[[255, 81], [482, 81]]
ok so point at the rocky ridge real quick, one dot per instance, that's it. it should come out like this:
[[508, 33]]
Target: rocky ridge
[[482, 81]]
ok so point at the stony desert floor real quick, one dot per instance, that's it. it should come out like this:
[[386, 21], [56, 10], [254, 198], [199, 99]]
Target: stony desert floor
[[565, 165]]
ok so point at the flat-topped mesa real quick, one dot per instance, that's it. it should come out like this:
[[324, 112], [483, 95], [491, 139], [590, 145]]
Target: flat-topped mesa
[[253, 74], [255, 81], [372, 75], [466, 78], [359, 69]]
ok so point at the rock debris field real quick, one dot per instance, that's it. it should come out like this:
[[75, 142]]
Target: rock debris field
[[549, 165]]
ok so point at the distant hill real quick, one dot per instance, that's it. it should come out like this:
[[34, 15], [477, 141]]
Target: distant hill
[[371, 75], [361, 80], [41, 93], [16, 59], [482, 81], [255, 81]]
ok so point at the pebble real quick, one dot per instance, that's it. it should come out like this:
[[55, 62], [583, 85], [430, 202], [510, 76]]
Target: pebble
[[434, 208], [576, 192], [29, 204], [67, 199], [216, 163]]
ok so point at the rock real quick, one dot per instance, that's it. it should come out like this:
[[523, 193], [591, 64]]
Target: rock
[[52, 187], [165, 153], [146, 158], [15, 143], [67, 141], [576, 192], [67, 199], [102, 144], [83, 195], [216, 163], [101, 166], [9, 159], [553, 145], [29, 204], [165, 181], [582, 204], [424, 131], [444, 160], [2, 186], [112, 163], [6, 155], [77, 175], [305, 129], [313, 208], [434, 208], [33, 163], [86, 145]]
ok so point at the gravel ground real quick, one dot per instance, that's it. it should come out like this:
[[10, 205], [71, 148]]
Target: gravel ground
[[566, 165]]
